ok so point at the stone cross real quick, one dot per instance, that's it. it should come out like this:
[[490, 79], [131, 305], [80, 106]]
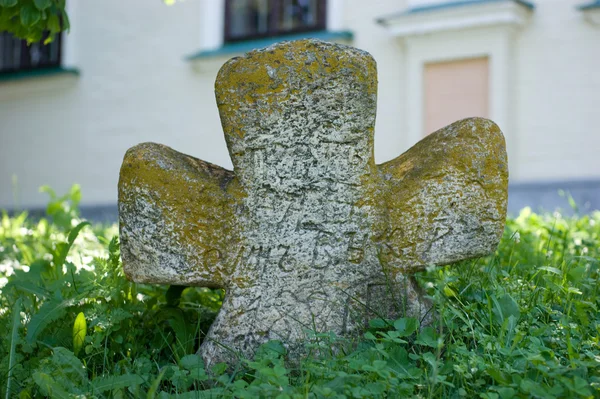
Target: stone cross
[[307, 232]]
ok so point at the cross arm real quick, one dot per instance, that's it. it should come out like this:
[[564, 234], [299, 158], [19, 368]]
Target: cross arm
[[176, 217], [447, 196]]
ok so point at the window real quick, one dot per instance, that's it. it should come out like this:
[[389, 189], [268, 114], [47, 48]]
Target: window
[[455, 90], [16, 55], [250, 19]]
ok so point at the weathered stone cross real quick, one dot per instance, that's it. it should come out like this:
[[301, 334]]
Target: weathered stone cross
[[307, 231]]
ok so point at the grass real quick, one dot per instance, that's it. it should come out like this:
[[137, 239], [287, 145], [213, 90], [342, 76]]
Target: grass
[[521, 323]]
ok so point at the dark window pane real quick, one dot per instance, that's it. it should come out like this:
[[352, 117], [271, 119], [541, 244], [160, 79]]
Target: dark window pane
[[248, 19], [16, 55], [297, 14]]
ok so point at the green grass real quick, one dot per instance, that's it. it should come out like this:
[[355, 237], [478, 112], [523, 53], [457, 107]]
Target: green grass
[[521, 323]]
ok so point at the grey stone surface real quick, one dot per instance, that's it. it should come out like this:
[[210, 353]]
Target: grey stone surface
[[308, 232]]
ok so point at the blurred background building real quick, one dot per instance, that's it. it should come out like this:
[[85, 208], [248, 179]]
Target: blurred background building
[[138, 70]]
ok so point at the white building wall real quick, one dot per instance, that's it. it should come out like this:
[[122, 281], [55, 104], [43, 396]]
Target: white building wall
[[136, 86], [558, 94], [388, 51], [544, 82]]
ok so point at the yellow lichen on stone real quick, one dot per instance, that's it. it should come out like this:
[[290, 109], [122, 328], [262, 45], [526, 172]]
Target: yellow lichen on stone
[[271, 76], [192, 201], [449, 188]]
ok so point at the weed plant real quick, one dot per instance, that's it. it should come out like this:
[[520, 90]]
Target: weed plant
[[521, 323]]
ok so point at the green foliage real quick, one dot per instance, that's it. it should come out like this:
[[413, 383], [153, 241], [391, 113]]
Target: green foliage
[[521, 323], [31, 19], [63, 210], [84, 328], [79, 332]]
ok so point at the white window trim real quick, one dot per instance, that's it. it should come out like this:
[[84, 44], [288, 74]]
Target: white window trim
[[69, 45], [335, 15], [459, 17], [212, 24]]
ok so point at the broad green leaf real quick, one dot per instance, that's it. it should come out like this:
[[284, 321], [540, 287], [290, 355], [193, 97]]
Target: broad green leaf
[[184, 331], [75, 194], [376, 389], [195, 365], [534, 388], [279, 370], [406, 326], [219, 368], [427, 337], [449, 291], [29, 15], [271, 349], [66, 23], [190, 362], [506, 393], [49, 312], [69, 364], [498, 375], [30, 288], [50, 387], [62, 249], [576, 274], [54, 23], [14, 336], [42, 4], [378, 323], [504, 307], [48, 190], [103, 384], [8, 3], [75, 232], [431, 359], [205, 394], [580, 386], [551, 269], [156, 383], [60, 255], [79, 332]]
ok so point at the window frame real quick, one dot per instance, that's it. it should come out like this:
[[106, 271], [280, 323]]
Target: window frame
[[274, 7], [24, 64]]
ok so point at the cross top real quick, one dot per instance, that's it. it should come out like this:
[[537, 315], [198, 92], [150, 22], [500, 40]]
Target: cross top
[[298, 96], [308, 232]]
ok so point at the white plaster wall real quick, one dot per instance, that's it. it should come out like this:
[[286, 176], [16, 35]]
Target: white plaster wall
[[134, 86], [390, 129], [558, 94]]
